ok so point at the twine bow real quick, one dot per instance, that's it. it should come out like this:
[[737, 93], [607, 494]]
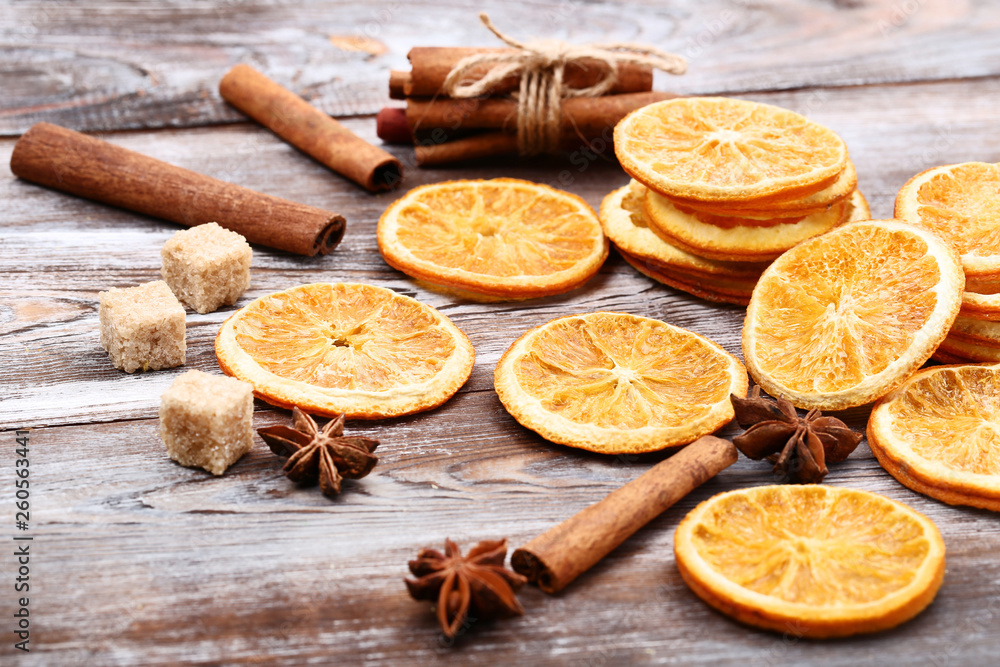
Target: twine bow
[[541, 65]]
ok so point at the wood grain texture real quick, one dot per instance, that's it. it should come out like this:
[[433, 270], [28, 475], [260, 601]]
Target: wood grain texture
[[122, 65], [143, 562]]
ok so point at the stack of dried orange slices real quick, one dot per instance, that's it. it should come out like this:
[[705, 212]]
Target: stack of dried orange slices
[[961, 202], [496, 240], [722, 187]]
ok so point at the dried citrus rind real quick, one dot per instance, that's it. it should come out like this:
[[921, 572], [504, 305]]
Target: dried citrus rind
[[984, 285], [961, 202], [981, 306], [970, 339], [361, 350], [842, 319], [975, 330], [954, 349], [737, 243], [937, 434], [502, 238], [718, 148], [816, 560], [818, 202], [625, 224], [617, 383], [719, 290]]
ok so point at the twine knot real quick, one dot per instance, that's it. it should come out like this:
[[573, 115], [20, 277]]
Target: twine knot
[[541, 66]]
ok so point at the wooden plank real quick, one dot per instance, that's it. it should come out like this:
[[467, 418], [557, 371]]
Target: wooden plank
[[56, 373], [121, 65], [159, 564]]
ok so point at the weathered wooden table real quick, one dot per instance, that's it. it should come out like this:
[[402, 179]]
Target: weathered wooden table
[[136, 560]]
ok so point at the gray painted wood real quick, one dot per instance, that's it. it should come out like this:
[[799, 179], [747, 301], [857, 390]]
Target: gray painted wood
[[116, 64], [143, 562]]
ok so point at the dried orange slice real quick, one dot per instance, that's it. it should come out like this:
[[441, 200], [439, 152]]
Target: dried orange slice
[[984, 285], [617, 383], [719, 148], [814, 203], [819, 561], [625, 224], [361, 350], [842, 319], [976, 330], [503, 238], [961, 202], [938, 434], [955, 349], [720, 290], [943, 357], [743, 243], [981, 306]]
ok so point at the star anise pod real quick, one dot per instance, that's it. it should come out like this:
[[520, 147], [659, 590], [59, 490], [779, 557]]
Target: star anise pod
[[478, 582], [799, 447], [324, 455]]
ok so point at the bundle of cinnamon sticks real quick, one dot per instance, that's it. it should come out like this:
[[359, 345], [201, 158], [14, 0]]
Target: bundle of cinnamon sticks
[[446, 130]]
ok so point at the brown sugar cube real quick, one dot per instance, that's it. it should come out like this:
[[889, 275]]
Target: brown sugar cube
[[142, 327], [206, 421], [206, 266]]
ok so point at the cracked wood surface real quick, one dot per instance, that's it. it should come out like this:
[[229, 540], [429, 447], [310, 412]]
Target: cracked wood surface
[[139, 561]]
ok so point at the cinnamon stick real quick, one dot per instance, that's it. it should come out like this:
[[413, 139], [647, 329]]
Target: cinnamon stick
[[583, 119], [559, 556], [497, 143], [431, 65], [309, 129], [487, 144], [392, 127], [75, 163], [588, 116], [398, 80]]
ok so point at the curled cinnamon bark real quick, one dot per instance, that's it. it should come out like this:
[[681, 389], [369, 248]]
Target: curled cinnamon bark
[[586, 116], [309, 129], [431, 65], [556, 558], [65, 160]]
